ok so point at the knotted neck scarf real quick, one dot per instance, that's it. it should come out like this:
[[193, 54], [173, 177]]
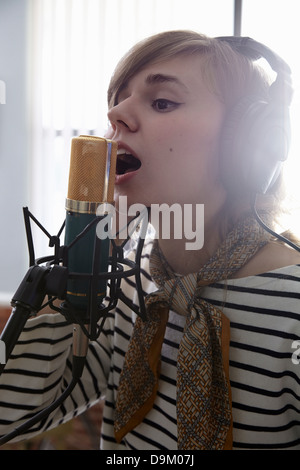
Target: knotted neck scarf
[[204, 419]]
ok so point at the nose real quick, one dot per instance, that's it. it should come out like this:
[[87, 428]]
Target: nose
[[123, 117]]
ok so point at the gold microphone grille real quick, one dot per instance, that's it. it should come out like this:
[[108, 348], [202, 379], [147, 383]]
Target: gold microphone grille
[[88, 169]]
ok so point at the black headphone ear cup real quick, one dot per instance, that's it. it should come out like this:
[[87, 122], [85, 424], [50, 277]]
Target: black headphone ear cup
[[254, 143]]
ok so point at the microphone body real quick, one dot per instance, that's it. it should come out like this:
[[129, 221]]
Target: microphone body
[[91, 183]]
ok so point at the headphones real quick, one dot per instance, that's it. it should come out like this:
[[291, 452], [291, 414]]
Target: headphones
[[256, 134]]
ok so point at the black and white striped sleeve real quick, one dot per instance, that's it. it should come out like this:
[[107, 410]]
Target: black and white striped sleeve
[[40, 369]]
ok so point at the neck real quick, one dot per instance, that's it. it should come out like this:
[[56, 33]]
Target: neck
[[187, 256]]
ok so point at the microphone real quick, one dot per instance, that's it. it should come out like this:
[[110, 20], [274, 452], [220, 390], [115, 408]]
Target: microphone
[[91, 184]]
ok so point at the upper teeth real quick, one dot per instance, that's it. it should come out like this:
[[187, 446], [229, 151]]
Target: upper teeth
[[122, 152]]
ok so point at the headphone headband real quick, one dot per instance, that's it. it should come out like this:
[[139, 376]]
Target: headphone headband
[[255, 50]]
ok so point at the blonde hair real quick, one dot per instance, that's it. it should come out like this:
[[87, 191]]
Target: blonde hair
[[227, 73]]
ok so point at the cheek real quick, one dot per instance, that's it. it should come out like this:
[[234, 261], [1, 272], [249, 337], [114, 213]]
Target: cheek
[[193, 167], [203, 146], [195, 152], [184, 155]]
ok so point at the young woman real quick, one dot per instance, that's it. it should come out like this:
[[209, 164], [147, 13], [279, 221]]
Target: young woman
[[212, 367]]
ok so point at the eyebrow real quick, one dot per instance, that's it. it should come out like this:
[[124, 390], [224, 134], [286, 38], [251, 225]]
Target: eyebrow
[[151, 80], [155, 78]]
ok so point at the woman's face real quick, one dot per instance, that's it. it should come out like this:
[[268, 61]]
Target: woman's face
[[170, 122]]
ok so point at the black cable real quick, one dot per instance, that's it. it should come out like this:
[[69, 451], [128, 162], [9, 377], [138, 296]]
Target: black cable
[[77, 368], [272, 232], [39, 416]]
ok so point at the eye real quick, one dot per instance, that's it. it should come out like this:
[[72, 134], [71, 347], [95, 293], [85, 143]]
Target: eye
[[163, 105]]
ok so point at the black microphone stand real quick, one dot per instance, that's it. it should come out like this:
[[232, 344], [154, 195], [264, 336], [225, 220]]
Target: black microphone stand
[[47, 278]]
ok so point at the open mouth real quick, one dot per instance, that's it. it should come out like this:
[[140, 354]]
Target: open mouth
[[126, 163]]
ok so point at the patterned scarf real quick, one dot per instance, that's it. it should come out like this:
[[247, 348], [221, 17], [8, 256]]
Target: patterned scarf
[[204, 419]]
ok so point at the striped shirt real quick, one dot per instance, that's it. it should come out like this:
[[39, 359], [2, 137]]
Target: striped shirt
[[264, 311]]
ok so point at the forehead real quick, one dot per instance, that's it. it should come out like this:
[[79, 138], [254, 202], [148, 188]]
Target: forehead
[[182, 72]]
